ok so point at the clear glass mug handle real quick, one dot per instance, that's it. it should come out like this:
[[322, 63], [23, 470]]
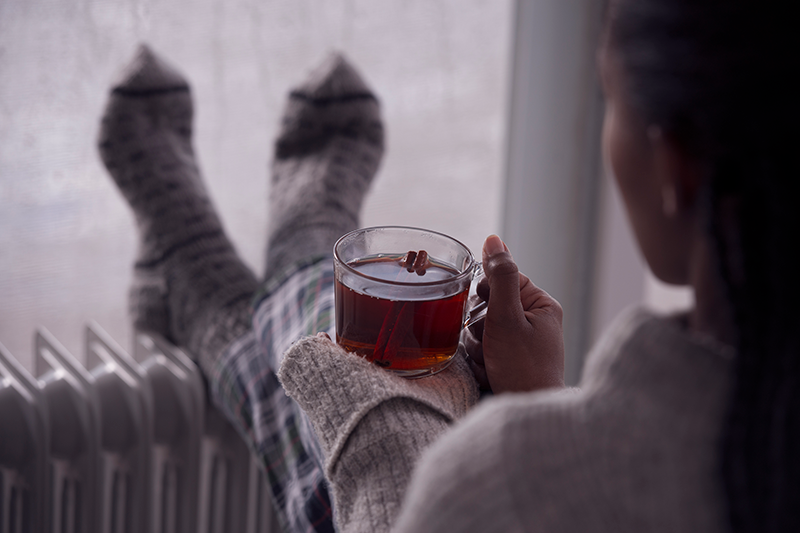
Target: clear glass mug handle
[[478, 312]]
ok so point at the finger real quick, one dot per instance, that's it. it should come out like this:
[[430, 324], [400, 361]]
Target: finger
[[530, 294], [483, 289], [536, 300], [476, 329], [474, 347], [503, 275]]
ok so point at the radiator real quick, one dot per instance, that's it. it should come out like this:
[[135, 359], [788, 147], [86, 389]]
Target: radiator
[[124, 444]]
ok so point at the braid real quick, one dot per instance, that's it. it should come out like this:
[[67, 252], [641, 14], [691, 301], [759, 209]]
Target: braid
[[715, 74]]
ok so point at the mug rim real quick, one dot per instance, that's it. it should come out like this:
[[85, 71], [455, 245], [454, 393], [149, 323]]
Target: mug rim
[[468, 272]]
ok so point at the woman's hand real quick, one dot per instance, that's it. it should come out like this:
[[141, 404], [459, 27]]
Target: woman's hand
[[520, 344]]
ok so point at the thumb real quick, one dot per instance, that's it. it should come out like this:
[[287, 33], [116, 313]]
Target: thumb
[[502, 273]]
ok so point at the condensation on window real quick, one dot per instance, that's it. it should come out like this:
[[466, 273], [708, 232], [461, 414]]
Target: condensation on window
[[68, 240]]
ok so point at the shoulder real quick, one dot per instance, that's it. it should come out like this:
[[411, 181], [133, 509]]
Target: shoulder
[[636, 448], [511, 455]]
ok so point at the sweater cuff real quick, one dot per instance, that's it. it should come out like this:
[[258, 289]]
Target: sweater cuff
[[337, 389]]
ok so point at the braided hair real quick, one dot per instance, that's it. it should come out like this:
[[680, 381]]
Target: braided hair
[[718, 76]]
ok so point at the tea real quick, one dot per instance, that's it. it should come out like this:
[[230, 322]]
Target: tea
[[399, 333]]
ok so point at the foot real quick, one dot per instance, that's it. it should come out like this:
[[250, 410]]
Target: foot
[[189, 284], [326, 156]]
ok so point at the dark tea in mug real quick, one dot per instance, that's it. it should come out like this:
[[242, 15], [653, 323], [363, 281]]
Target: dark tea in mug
[[405, 320], [401, 334]]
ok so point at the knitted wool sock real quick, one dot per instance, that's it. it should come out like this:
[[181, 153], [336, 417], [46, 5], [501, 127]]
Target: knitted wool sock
[[189, 285], [326, 155]]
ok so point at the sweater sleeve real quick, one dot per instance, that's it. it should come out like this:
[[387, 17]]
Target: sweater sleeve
[[372, 424]]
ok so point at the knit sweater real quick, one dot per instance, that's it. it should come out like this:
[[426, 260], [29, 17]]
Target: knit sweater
[[634, 449]]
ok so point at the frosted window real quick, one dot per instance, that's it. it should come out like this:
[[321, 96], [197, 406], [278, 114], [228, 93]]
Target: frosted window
[[67, 239]]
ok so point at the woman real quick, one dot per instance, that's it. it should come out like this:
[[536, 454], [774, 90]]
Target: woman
[[681, 423]]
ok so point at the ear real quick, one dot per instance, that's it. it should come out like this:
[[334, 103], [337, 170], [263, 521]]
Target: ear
[[678, 175]]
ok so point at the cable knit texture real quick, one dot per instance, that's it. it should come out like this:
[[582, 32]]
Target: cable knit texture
[[372, 425], [635, 449]]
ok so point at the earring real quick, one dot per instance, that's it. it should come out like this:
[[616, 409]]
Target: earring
[[669, 200]]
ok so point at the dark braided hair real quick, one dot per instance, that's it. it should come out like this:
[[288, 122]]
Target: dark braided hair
[[719, 76]]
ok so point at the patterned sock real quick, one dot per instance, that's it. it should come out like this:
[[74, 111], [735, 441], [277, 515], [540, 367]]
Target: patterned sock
[[326, 155], [189, 285]]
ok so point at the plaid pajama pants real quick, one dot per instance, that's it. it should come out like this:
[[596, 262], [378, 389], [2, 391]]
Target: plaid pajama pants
[[297, 303]]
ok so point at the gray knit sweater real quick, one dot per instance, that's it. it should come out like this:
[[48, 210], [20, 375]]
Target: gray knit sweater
[[634, 449]]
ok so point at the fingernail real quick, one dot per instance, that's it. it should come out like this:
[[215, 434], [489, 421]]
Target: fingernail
[[493, 245]]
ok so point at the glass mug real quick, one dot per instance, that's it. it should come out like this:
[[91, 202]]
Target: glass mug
[[401, 297]]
